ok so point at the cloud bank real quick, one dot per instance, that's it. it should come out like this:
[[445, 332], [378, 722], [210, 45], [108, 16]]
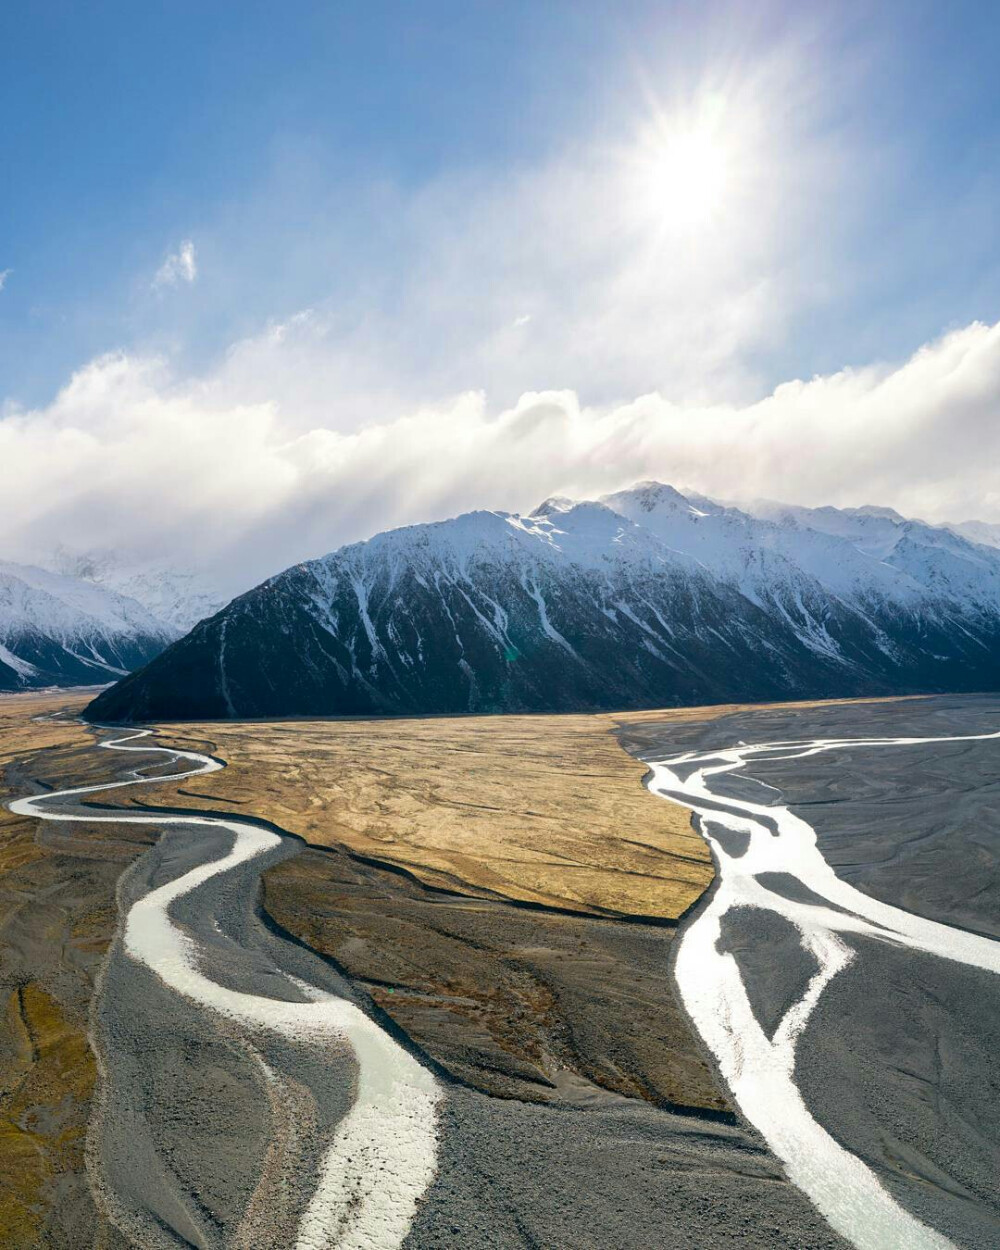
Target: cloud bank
[[130, 455]]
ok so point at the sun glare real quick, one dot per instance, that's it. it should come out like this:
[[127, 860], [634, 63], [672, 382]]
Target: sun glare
[[683, 170], [687, 178]]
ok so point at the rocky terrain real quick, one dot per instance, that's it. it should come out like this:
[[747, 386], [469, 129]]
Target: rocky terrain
[[58, 915], [497, 896], [472, 875], [890, 967], [228, 1113]]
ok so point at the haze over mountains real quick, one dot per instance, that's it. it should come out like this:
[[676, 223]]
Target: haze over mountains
[[177, 597], [645, 597]]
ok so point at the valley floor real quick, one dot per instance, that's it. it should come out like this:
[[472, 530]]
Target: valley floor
[[499, 892], [497, 963], [846, 969]]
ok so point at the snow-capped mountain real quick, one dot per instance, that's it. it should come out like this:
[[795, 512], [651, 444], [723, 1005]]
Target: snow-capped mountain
[[57, 630], [937, 559], [646, 597], [179, 598]]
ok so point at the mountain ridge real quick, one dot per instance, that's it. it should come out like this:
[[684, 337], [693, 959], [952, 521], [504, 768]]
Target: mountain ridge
[[645, 597]]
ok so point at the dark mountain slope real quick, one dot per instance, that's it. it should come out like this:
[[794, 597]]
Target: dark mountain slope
[[580, 606]]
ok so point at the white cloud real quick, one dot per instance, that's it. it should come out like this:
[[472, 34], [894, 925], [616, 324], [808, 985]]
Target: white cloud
[[4, 275], [129, 453], [180, 266]]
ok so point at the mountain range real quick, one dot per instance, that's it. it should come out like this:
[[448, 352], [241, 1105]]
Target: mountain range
[[58, 630], [89, 619], [646, 597], [177, 597]]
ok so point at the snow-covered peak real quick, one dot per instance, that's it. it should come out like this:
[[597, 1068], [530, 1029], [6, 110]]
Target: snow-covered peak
[[936, 561], [590, 534], [586, 534], [648, 497], [872, 510], [178, 598], [872, 531], [554, 503], [69, 607], [725, 541], [984, 532], [866, 556], [60, 630]]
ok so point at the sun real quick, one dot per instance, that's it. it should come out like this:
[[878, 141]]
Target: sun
[[683, 171], [687, 179]]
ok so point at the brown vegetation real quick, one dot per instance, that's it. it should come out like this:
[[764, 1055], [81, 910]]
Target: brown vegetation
[[540, 809], [482, 814]]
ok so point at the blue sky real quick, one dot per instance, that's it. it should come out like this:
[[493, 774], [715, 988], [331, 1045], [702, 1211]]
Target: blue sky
[[350, 212], [133, 125]]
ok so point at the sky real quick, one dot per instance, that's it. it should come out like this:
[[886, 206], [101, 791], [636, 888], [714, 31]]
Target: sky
[[277, 277]]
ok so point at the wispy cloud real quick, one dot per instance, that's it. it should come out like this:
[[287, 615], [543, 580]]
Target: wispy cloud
[[4, 275], [675, 249], [180, 266]]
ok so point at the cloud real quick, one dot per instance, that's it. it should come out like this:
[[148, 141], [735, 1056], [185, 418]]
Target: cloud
[[180, 266], [129, 453], [4, 275]]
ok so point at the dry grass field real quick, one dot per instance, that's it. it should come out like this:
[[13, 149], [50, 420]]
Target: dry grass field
[[472, 874], [436, 833], [21, 732], [540, 809]]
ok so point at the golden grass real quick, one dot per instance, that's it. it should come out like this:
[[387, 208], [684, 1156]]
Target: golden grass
[[47, 1076], [541, 809], [21, 733]]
